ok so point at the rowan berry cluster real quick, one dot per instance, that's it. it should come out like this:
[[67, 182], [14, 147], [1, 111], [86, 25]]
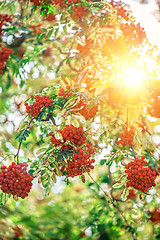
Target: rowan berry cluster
[[155, 216], [133, 34], [50, 18], [78, 11], [4, 18], [138, 176], [15, 180], [19, 52], [61, 3], [80, 164], [142, 127], [123, 13], [4, 55], [126, 138], [82, 108], [131, 194], [17, 232], [73, 1], [40, 2], [71, 134], [83, 49], [154, 109], [63, 93], [36, 28], [153, 170], [36, 2], [41, 101]]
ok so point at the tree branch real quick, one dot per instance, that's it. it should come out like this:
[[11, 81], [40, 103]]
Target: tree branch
[[114, 205]]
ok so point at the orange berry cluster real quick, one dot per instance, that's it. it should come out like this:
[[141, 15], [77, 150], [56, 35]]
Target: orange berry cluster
[[40, 2], [69, 133], [80, 164], [36, 28], [19, 52], [73, 1], [63, 93], [133, 34], [79, 11], [4, 18], [4, 55], [131, 194], [123, 13], [82, 108], [142, 127], [155, 216], [16, 180], [36, 2], [41, 101], [83, 49], [138, 176], [61, 3], [126, 138], [50, 18]]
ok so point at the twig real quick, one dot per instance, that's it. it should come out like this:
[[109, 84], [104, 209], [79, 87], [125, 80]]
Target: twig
[[111, 183], [72, 68], [99, 186], [114, 205], [126, 222], [49, 116], [82, 76]]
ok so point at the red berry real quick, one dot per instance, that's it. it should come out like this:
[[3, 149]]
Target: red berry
[[68, 87], [68, 94]]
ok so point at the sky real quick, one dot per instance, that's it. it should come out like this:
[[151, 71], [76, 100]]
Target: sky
[[149, 18]]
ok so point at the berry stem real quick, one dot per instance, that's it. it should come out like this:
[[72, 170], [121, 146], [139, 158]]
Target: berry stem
[[99, 186], [72, 68], [49, 116], [111, 183]]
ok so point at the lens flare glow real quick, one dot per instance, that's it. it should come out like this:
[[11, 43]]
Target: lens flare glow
[[133, 77]]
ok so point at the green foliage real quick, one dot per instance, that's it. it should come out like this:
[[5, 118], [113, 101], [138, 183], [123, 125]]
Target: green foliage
[[56, 52]]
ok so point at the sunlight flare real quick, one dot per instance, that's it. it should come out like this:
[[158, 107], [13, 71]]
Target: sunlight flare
[[133, 77]]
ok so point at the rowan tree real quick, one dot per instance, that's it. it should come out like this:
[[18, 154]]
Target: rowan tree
[[84, 80]]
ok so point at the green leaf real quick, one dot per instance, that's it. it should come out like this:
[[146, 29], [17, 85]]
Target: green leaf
[[41, 150], [51, 159], [43, 171], [65, 28], [47, 191], [125, 194], [49, 34], [75, 122], [102, 161], [53, 177], [110, 161], [41, 37], [56, 32], [57, 169], [60, 157], [4, 198], [120, 158], [118, 185], [142, 196]]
